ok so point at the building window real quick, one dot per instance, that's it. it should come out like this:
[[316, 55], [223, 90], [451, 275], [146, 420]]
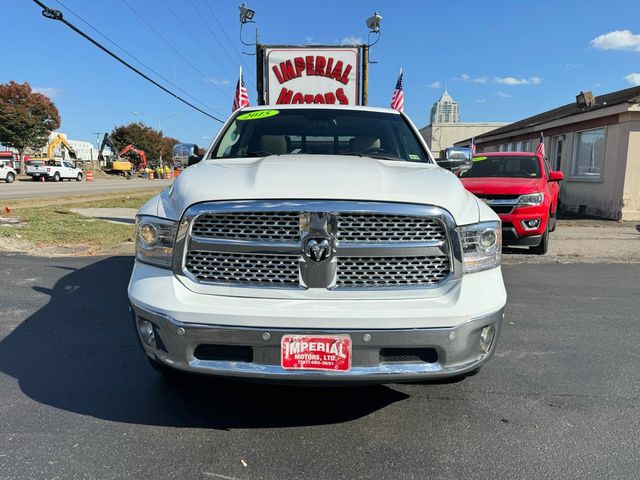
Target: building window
[[557, 146], [588, 158], [514, 147], [525, 145]]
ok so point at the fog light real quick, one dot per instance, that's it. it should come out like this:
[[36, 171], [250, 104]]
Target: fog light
[[486, 338], [531, 224], [146, 332]]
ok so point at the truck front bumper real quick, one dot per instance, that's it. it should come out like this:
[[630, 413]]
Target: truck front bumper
[[418, 354]]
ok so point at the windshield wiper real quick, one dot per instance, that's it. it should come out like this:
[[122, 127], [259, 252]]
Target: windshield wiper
[[257, 153], [381, 156]]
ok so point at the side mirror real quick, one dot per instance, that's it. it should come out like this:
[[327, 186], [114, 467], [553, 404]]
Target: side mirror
[[193, 159], [556, 176]]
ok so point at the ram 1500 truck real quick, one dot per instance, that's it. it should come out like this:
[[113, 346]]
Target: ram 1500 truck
[[318, 243]]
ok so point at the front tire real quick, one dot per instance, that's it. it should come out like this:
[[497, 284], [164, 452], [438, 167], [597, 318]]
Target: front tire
[[79, 178], [10, 177], [543, 247], [56, 177]]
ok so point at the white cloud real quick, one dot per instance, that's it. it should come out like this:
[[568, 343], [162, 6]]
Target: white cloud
[[352, 40], [517, 81], [219, 83], [50, 92], [465, 77], [481, 100], [309, 40], [633, 78], [571, 66], [617, 40], [434, 85], [481, 80], [503, 95]]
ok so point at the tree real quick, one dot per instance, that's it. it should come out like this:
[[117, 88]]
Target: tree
[[26, 118], [145, 138]]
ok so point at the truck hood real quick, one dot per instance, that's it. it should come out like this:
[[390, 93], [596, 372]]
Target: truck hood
[[502, 186], [318, 177]]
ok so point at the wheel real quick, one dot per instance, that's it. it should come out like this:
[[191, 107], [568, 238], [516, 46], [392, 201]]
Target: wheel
[[552, 221], [35, 179], [10, 177], [56, 177], [79, 178], [543, 247]]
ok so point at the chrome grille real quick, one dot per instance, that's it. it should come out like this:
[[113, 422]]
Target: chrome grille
[[260, 226], [214, 267], [272, 243], [376, 228], [381, 272]]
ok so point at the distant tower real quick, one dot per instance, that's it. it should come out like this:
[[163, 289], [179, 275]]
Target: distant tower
[[445, 110]]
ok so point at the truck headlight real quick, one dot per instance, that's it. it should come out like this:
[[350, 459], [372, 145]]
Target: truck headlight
[[531, 199], [481, 246], [154, 240]]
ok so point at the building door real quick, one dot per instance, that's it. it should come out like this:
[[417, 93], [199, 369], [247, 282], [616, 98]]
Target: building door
[[557, 146]]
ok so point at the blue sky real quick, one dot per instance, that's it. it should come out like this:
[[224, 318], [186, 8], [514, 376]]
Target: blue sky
[[501, 60]]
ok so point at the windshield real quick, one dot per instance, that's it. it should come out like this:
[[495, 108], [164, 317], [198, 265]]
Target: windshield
[[320, 132], [515, 166]]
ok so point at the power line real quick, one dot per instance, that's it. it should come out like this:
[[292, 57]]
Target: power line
[[57, 15], [144, 20], [213, 34], [195, 39], [136, 58], [224, 32]]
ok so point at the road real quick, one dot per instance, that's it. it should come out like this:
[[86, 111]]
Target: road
[[78, 401], [28, 189]]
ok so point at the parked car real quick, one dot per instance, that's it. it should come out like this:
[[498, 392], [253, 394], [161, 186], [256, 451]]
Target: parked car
[[522, 189], [55, 170], [318, 243], [7, 172]]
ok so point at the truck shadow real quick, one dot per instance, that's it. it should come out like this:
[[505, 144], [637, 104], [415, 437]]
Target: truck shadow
[[79, 353]]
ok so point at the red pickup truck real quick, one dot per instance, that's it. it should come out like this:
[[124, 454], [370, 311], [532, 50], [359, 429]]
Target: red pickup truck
[[523, 190]]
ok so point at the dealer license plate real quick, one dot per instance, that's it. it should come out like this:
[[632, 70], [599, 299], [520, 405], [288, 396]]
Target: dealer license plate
[[316, 352]]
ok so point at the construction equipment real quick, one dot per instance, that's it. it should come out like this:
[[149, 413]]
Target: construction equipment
[[136, 156], [50, 155], [119, 165]]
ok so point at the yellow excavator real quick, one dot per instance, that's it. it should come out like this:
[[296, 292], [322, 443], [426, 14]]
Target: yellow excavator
[[55, 141]]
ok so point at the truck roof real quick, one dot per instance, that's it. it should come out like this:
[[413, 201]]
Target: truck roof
[[320, 107]]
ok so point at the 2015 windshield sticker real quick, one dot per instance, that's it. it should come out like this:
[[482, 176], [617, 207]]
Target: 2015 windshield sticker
[[413, 156], [257, 114], [478, 159]]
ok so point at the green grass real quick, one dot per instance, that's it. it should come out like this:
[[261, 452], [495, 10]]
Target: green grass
[[56, 225]]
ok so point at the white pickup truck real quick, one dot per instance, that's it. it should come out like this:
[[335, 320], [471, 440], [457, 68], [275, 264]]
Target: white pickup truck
[[7, 173], [318, 243], [55, 170]]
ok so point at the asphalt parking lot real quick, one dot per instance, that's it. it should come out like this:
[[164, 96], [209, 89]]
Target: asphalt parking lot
[[78, 400]]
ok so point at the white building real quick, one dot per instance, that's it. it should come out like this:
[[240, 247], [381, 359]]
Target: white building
[[84, 150], [445, 110]]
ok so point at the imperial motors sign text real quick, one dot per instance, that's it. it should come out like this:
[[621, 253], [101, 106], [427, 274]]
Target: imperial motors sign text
[[325, 75]]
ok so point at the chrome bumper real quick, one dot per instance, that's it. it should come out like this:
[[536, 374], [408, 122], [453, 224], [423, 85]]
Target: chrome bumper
[[458, 350]]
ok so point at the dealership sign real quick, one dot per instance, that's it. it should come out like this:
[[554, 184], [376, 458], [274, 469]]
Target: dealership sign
[[324, 75]]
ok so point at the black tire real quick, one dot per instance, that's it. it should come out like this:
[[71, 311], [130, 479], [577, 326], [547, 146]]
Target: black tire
[[56, 177], [552, 221], [79, 178], [543, 247], [35, 179], [10, 177]]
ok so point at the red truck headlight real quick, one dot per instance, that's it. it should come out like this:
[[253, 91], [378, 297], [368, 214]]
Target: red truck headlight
[[531, 199]]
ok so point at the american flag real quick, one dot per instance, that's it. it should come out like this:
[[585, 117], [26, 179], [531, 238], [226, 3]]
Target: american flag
[[540, 149], [397, 100], [241, 98], [473, 146]]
